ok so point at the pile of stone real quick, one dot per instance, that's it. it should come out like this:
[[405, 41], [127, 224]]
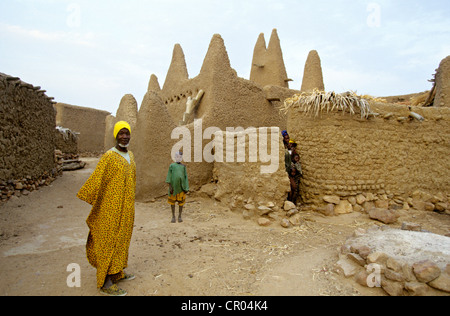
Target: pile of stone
[[13, 189], [366, 202], [405, 261], [68, 162]]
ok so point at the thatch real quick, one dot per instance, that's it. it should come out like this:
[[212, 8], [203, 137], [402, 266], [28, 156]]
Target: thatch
[[320, 101]]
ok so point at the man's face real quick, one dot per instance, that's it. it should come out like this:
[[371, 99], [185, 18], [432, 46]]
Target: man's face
[[124, 137]]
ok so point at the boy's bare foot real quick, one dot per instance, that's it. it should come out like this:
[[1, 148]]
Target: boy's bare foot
[[173, 220], [180, 220]]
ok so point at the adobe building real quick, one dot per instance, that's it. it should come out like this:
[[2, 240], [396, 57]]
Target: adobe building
[[88, 123], [390, 159]]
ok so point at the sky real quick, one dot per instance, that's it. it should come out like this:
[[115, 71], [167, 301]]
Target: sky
[[92, 53]]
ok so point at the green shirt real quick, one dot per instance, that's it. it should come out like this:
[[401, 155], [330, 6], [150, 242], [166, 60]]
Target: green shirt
[[177, 178]]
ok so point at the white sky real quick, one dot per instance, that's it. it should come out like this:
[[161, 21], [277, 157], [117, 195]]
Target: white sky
[[91, 53]]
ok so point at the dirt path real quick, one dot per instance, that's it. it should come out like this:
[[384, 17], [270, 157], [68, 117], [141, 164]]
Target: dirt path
[[214, 252]]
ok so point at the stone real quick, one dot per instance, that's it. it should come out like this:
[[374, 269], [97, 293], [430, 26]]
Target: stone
[[347, 267], [264, 210], [344, 207], [377, 257], [360, 199], [382, 215], [264, 221], [426, 271], [333, 199], [417, 289], [381, 204], [292, 212], [361, 278], [392, 288], [394, 265], [285, 223], [441, 206], [362, 250], [356, 258], [411, 226], [394, 276], [250, 207], [442, 282], [295, 220], [327, 210], [288, 205], [19, 186]]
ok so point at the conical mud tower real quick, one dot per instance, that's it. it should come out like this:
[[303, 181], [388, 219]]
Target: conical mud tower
[[151, 145], [178, 70], [268, 66], [312, 76]]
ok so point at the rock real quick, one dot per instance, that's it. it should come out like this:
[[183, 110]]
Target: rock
[[264, 210], [382, 204], [288, 205], [382, 215], [249, 207], [333, 199], [347, 267], [327, 210], [264, 221], [361, 278], [394, 276], [441, 206], [392, 288], [377, 257], [292, 212], [362, 250], [295, 220], [426, 271], [285, 223], [442, 282], [344, 207], [19, 186], [394, 265], [417, 289], [360, 199], [356, 259], [411, 226]]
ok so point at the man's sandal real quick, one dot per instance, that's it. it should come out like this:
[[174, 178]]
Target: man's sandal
[[113, 290], [128, 277]]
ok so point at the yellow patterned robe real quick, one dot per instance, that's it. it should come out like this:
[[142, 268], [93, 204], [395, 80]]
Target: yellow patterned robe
[[111, 192]]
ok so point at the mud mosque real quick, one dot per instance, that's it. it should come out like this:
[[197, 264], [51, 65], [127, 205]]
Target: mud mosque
[[390, 158]]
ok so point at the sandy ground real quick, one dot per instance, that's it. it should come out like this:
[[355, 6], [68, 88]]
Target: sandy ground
[[214, 252]]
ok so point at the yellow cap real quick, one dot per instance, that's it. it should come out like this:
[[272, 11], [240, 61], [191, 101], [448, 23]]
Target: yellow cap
[[119, 126]]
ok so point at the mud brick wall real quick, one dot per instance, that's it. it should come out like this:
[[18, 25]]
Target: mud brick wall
[[27, 130], [89, 123], [391, 155], [239, 183]]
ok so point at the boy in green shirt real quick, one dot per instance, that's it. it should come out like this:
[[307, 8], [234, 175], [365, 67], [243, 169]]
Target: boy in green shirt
[[178, 185]]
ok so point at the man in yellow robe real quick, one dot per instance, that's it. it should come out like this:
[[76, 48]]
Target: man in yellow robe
[[111, 192]]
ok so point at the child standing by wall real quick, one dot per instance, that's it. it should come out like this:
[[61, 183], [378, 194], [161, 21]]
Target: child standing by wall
[[178, 185]]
